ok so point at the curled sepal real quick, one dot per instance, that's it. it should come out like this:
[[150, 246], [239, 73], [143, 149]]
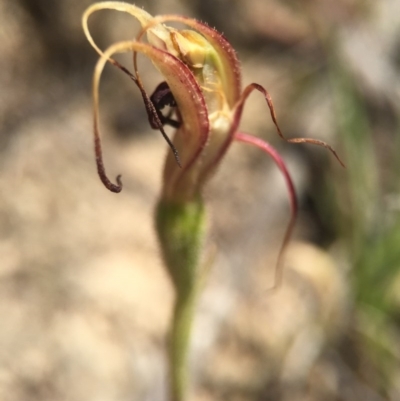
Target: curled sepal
[[184, 87], [116, 188], [142, 16], [239, 108], [269, 150]]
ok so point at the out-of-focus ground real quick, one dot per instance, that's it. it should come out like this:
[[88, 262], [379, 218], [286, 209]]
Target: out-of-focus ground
[[84, 299]]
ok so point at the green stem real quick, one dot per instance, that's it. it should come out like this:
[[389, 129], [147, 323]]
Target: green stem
[[181, 230], [179, 345]]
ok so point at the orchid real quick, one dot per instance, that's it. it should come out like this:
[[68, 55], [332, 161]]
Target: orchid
[[202, 87]]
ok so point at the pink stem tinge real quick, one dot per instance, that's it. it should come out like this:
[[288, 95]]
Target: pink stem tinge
[[269, 150]]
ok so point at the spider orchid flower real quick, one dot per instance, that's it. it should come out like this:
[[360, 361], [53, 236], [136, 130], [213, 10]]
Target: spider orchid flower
[[202, 86]]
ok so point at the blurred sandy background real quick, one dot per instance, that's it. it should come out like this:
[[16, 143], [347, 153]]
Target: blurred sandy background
[[84, 299]]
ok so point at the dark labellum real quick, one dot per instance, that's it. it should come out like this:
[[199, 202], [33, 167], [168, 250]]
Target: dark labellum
[[162, 97]]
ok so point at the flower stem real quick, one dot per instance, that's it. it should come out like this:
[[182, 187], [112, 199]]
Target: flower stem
[[179, 345], [181, 230]]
